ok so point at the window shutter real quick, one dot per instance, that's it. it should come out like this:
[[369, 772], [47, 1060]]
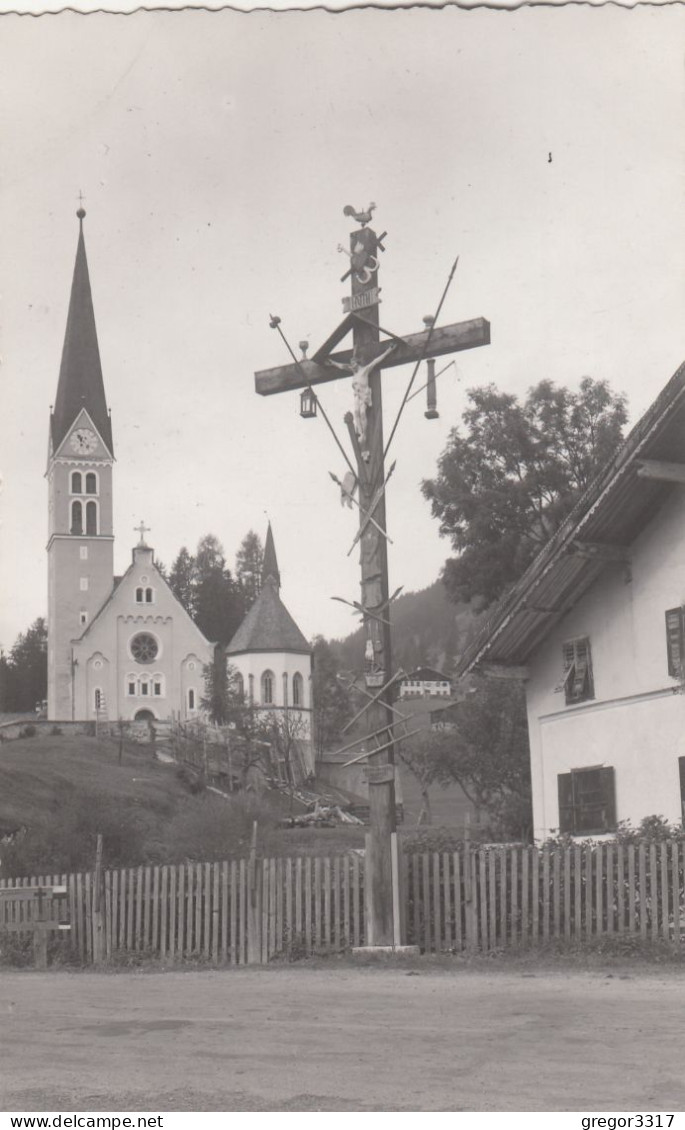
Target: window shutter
[[608, 799], [674, 641], [567, 819]]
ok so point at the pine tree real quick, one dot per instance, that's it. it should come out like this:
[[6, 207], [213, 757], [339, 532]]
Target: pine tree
[[248, 568], [332, 706], [182, 579], [25, 673], [217, 605]]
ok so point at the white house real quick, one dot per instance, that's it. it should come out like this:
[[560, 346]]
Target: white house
[[425, 682], [596, 627]]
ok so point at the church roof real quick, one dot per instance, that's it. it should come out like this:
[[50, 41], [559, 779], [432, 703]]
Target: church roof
[[268, 626], [270, 563], [80, 376]]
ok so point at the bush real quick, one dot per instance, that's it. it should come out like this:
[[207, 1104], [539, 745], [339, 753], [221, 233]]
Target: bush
[[191, 778], [28, 731], [66, 838], [55, 730], [215, 828]]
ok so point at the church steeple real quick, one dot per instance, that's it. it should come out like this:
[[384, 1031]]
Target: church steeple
[[270, 564], [80, 377]]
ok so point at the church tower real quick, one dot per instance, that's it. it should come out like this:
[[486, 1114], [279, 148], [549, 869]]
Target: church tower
[[79, 474]]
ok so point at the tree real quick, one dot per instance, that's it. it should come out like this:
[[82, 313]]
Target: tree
[[421, 754], [217, 697], [217, 604], [488, 753], [332, 706], [182, 579], [24, 674], [248, 568], [506, 485], [285, 730]]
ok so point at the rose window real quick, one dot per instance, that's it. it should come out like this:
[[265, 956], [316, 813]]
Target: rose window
[[144, 648]]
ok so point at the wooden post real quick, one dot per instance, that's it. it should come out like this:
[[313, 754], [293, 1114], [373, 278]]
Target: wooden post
[[98, 905], [362, 319], [254, 947]]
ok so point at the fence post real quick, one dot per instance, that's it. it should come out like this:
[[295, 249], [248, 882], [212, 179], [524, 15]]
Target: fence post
[[98, 905], [254, 941]]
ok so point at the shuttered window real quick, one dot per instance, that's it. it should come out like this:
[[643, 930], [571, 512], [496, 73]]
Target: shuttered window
[[578, 683], [674, 641], [587, 801]]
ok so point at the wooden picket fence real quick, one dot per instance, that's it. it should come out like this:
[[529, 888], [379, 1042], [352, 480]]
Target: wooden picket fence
[[493, 898], [258, 910], [237, 912]]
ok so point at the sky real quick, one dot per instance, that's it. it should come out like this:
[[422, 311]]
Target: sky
[[216, 151]]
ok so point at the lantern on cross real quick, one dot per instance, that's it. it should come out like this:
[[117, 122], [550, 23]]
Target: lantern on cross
[[307, 396], [307, 404]]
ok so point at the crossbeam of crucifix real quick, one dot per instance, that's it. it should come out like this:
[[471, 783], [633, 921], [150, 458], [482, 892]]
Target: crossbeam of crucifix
[[363, 365], [444, 339]]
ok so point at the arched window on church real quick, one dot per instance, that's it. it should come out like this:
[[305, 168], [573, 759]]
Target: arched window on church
[[76, 518], [191, 699], [139, 596], [298, 689], [91, 483], [240, 686], [267, 688], [144, 685], [98, 699], [285, 688], [76, 482], [148, 596], [130, 684], [157, 685], [91, 517]]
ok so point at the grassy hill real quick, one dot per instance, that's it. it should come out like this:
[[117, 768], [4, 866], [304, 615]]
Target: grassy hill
[[60, 791]]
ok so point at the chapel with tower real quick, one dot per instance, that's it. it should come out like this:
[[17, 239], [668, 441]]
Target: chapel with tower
[[125, 647]]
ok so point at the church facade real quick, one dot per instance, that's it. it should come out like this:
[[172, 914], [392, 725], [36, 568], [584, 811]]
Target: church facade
[[124, 647]]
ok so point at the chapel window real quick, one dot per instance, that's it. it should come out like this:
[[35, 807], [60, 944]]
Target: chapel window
[[240, 686], [298, 689], [98, 699], [139, 596], [91, 483], [148, 596], [76, 518], [76, 482], [191, 699], [268, 688]]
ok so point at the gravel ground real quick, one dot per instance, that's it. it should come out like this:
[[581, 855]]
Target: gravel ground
[[359, 1039]]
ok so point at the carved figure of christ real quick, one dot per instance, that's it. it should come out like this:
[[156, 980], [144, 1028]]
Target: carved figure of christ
[[362, 392]]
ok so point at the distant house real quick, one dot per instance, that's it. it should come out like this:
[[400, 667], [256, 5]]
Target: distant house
[[596, 627], [425, 682]]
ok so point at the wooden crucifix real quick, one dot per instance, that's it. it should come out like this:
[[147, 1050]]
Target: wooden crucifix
[[363, 363]]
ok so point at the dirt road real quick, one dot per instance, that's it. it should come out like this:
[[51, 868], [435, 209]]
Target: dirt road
[[345, 1039]]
